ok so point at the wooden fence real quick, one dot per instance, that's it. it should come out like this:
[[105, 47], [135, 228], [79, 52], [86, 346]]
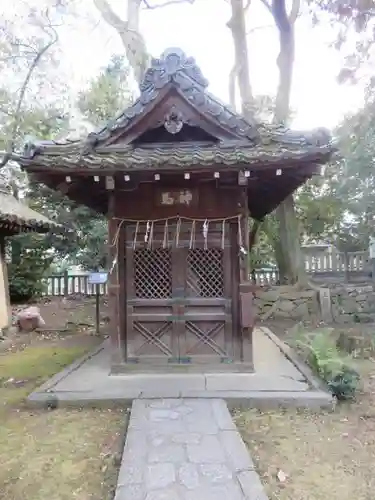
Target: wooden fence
[[67, 284], [335, 267], [338, 267], [327, 267]]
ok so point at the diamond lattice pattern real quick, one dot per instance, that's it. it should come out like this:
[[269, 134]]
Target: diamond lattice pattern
[[205, 273], [153, 273]]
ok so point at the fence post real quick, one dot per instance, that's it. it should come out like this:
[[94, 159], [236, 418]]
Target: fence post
[[66, 283], [346, 266]]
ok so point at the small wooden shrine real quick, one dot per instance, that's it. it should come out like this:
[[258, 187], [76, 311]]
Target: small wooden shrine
[[15, 218], [178, 175]]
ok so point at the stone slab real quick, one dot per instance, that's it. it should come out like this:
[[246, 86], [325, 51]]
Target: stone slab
[[291, 356], [252, 381], [161, 462], [277, 381], [313, 400]]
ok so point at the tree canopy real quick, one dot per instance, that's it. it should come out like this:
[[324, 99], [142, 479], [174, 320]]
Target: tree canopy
[[339, 206]]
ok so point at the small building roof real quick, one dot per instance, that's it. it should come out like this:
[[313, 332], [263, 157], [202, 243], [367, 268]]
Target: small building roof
[[16, 217], [177, 125]]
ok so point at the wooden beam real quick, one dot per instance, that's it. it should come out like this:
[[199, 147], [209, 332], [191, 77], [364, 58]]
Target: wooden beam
[[115, 297]]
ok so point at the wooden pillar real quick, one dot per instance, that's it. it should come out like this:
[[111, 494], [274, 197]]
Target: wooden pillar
[[5, 308], [116, 328], [247, 319], [246, 306]]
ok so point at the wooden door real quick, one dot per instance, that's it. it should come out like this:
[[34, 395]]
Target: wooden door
[[151, 329], [205, 334], [179, 307]]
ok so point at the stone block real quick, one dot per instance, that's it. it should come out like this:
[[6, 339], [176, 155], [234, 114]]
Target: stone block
[[188, 476], [130, 474], [269, 296], [187, 438], [165, 494], [230, 491], [251, 486], [173, 453], [301, 311], [282, 314], [285, 305], [222, 416], [229, 381], [208, 451], [236, 451], [344, 318], [349, 306], [130, 492], [216, 473], [160, 476], [135, 450]]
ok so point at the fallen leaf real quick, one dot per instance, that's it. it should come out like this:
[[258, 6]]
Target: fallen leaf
[[281, 476]]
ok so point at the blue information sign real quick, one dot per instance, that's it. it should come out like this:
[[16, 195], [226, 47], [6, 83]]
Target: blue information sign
[[98, 278]]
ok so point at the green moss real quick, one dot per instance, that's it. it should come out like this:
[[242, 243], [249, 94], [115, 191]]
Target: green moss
[[22, 371]]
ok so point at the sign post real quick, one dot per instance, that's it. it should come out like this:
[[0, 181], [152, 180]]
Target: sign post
[[372, 258], [97, 279]]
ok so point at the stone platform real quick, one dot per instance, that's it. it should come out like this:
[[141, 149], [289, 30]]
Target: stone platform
[[190, 449], [277, 381]]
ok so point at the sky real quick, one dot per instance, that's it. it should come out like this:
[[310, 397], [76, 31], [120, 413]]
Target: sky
[[87, 44], [200, 30]]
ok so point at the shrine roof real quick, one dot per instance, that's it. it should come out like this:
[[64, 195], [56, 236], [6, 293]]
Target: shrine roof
[[17, 217], [177, 77], [132, 158]]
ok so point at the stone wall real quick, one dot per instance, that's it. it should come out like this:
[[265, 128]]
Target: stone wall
[[283, 302], [349, 304], [353, 304]]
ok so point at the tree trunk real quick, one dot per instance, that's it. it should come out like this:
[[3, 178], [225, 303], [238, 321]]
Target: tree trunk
[[131, 37], [16, 246], [240, 71], [290, 251]]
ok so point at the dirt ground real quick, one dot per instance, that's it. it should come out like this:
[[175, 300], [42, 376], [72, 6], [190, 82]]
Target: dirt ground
[[316, 456], [64, 319], [74, 311], [54, 454]]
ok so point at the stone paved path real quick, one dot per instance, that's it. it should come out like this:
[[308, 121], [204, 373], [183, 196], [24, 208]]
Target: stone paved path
[[185, 449]]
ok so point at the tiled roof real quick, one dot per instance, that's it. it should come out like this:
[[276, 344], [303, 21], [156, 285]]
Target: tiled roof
[[179, 157], [252, 142], [18, 216]]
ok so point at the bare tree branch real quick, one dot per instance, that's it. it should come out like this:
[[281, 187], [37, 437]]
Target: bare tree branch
[[247, 5], [232, 86], [132, 39], [267, 5], [256, 28], [10, 148], [166, 3], [109, 15], [294, 11]]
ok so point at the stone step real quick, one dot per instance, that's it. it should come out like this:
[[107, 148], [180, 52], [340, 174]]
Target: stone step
[[185, 449]]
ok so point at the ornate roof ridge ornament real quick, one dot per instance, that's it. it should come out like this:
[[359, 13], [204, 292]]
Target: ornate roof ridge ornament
[[171, 63], [173, 121]]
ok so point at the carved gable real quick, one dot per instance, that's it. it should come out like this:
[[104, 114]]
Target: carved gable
[[174, 106]]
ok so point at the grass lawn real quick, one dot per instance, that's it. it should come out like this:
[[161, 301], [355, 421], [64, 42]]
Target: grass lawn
[[58, 454], [324, 456]]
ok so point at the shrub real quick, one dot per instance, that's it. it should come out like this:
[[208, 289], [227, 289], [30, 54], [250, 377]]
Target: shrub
[[27, 268], [335, 368]]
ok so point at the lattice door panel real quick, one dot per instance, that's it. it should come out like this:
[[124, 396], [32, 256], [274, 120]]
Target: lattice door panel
[[204, 338], [152, 273], [204, 273], [152, 339]]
